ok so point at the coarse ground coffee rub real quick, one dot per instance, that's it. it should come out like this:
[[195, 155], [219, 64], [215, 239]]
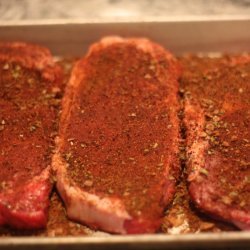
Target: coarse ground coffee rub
[[217, 121], [29, 82], [117, 161]]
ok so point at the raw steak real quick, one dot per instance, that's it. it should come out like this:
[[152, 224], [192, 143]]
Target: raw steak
[[117, 157], [217, 120], [29, 82]]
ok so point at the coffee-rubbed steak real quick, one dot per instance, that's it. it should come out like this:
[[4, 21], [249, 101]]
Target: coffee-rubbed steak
[[217, 119], [29, 83], [117, 161]]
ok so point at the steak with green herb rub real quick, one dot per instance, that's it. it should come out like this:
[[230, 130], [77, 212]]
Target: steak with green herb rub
[[117, 161], [29, 83], [217, 121]]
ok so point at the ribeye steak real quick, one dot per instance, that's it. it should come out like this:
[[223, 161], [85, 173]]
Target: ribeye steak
[[29, 83], [217, 119], [117, 157]]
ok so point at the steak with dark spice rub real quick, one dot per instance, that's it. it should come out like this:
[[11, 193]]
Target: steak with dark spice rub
[[217, 120], [117, 158], [29, 82]]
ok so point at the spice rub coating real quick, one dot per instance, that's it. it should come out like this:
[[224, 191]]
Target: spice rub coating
[[217, 121], [30, 84], [117, 160]]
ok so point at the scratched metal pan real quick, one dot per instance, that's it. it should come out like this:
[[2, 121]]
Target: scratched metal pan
[[72, 38]]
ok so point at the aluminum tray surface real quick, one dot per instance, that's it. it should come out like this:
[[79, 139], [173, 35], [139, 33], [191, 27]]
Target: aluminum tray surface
[[72, 38]]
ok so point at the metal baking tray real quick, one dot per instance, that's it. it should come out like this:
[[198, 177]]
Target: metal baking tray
[[72, 38]]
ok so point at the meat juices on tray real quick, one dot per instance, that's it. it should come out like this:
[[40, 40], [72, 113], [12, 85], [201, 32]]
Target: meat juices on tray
[[29, 82], [117, 159], [217, 120]]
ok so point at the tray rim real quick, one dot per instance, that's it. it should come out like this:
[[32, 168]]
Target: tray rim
[[115, 239]]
